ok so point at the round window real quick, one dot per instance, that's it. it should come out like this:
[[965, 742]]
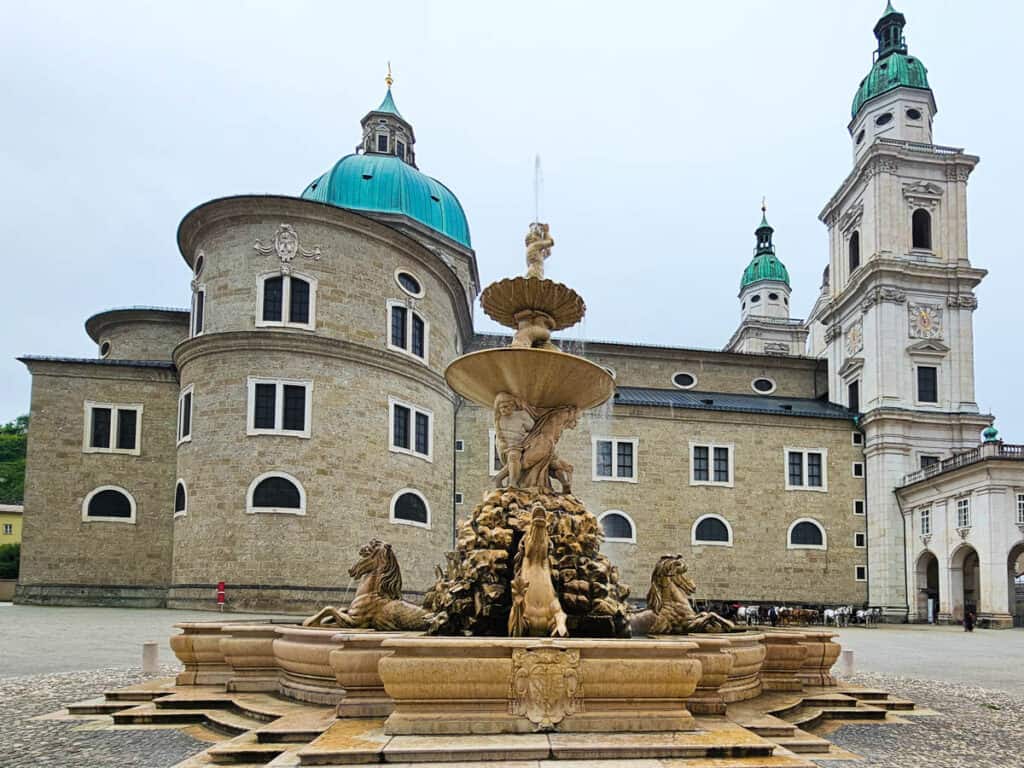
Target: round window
[[408, 283], [773, 296], [105, 349], [764, 386], [913, 114], [684, 380], [200, 263], [884, 119], [755, 298], [860, 137]]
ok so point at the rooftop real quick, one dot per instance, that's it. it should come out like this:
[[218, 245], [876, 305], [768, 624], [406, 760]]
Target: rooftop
[[993, 450], [720, 401]]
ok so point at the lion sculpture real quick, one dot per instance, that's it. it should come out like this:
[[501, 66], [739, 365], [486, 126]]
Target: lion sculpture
[[668, 604], [378, 603]]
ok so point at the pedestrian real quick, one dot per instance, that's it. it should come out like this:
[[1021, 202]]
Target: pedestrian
[[969, 621], [773, 616]]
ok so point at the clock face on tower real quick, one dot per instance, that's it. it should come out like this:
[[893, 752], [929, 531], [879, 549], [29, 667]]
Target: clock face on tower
[[925, 321]]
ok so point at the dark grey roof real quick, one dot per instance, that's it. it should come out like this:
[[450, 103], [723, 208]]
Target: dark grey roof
[[93, 361], [722, 401]]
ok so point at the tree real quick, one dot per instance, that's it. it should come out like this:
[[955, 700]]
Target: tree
[[17, 427], [10, 558], [13, 445]]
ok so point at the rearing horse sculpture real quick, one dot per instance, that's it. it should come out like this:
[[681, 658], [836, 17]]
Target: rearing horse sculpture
[[378, 603], [536, 610]]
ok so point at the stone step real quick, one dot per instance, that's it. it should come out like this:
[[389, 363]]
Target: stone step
[[727, 740], [891, 704], [245, 750], [767, 726], [829, 700], [99, 706], [350, 740], [864, 694], [147, 691], [810, 717], [254, 706], [219, 720], [802, 742], [297, 728]]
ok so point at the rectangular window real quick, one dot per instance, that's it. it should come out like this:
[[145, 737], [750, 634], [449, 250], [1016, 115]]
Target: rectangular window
[[926, 521], [399, 315], [929, 461], [927, 384], [401, 149], [860, 540], [382, 142], [858, 507], [711, 464], [185, 414], [806, 470], [112, 428], [614, 459], [418, 335], [8, 529], [1020, 509], [298, 304], [460, 446], [858, 438], [458, 498], [853, 396], [408, 331], [860, 573], [286, 300], [858, 469], [963, 513], [410, 429], [279, 407], [199, 311], [273, 299]]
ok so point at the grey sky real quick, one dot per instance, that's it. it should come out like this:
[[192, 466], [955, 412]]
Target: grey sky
[[660, 127]]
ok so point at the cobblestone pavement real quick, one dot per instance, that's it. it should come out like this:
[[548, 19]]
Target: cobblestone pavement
[[975, 727]]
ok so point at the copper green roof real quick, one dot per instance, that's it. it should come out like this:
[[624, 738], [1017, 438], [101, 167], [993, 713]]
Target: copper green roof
[[893, 67], [765, 265], [386, 184], [388, 105]]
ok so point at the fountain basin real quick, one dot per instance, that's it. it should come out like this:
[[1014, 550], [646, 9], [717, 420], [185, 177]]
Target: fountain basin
[[198, 649], [503, 300], [303, 656], [748, 650], [355, 663], [822, 654], [783, 661], [249, 650], [486, 685], [716, 663]]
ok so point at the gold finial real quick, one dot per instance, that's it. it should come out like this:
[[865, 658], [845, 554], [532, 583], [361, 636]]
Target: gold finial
[[389, 79]]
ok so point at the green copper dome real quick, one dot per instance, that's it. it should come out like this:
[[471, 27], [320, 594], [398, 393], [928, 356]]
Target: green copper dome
[[387, 184], [765, 265], [893, 67], [991, 434]]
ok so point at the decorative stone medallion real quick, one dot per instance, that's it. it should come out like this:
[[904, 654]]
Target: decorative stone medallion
[[287, 246], [855, 338], [546, 685], [925, 321]]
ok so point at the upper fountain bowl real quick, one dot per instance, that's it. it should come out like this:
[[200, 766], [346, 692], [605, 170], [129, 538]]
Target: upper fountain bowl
[[503, 300], [545, 378]]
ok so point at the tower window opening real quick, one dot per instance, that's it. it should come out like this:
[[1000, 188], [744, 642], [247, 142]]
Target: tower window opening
[[854, 251], [382, 142], [860, 136], [921, 227], [884, 119], [401, 149], [773, 296], [755, 298], [913, 114]]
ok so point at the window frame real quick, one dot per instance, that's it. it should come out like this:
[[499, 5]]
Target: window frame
[[853, 251], [823, 452], [414, 276], [795, 523], [963, 504], [193, 316], [460, 446], [731, 447], [253, 510], [182, 512], [459, 498], [687, 373], [410, 312], [1020, 507], [863, 507], [616, 539], [180, 438], [925, 521], [862, 537], [250, 420], [286, 300], [614, 477], [853, 469], [413, 410], [88, 447], [399, 521], [857, 570], [917, 386], [930, 232], [87, 518], [857, 438], [8, 529], [695, 542], [775, 385]]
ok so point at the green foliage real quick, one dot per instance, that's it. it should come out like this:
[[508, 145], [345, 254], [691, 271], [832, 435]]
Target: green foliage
[[10, 557], [13, 445]]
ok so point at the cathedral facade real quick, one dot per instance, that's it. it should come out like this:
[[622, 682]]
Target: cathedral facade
[[298, 407]]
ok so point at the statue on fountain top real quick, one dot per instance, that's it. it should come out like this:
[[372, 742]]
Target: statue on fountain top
[[538, 247]]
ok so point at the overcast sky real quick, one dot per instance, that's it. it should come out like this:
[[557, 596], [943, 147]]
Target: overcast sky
[[660, 126]]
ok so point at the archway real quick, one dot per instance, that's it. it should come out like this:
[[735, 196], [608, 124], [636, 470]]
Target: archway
[[964, 582], [926, 578], [1015, 583]]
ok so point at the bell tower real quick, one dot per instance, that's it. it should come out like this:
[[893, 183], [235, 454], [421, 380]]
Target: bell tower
[[386, 132], [894, 319]]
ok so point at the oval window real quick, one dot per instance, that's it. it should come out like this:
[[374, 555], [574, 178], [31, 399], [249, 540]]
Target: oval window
[[763, 385], [773, 296], [913, 114], [408, 283], [884, 119], [105, 349], [684, 380], [860, 137], [755, 298], [200, 263]]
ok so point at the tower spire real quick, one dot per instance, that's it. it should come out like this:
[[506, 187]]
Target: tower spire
[[388, 79]]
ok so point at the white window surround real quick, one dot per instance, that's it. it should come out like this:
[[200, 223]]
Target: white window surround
[[823, 488], [1020, 508], [634, 441], [8, 529], [252, 510], [862, 538], [767, 391], [199, 289], [104, 354], [413, 410], [688, 373], [711, 464], [963, 513], [857, 438], [704, 543], [250, 428], [460, 446], [114, 407], [286, 301], [858, 469], [926, 521], [937, 402], [458, 498], [860, 573], [860, 503], [627, 518], [399, 521], [408, 332], [180, 512], [414, 276], [493, 462], [795, 523], [189, 390], [95, 519]]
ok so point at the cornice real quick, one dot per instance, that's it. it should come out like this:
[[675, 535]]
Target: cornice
[[291, 343], [116, 370]]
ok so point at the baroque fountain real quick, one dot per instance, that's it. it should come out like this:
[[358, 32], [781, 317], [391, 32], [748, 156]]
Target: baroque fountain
[[526, 646]]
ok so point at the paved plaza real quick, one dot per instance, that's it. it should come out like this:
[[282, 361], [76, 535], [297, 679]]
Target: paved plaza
[[54, 656]]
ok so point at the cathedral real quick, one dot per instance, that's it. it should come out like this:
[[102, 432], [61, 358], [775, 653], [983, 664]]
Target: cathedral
[[298, 408]]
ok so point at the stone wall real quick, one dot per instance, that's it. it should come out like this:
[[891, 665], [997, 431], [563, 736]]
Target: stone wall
[[138, 334]]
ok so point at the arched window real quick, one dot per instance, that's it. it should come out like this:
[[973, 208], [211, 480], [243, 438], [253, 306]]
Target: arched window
[[711, 530], [109, 502], [806, 533], [409, 507], [180, 499], [921, 225], [854, 250], [617, 526], [408, 331], [276, 492], [286, 300]]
